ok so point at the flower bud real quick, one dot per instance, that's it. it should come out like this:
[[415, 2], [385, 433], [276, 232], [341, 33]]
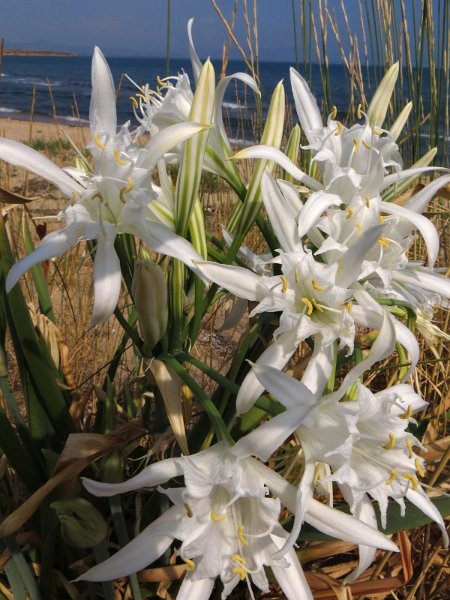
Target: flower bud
[[82, 525], [149, 290]]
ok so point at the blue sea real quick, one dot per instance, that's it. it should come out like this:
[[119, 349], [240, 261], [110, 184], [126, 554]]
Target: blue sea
[[67, 80]]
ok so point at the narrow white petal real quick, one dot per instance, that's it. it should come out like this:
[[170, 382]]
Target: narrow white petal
[[287, 390], [307, 110], [195, 61], [421, 500], [424, 225], [397, 177], [144, 549], [400, 121], [151, 476], [380, 102], [241, 282], [102, 110], [166, 139], [54, 244], [419, 202], [292, 579], [292, 199], [271, 153], [340, 525], [199, 589], [316, 204], [276, 355], [107, 277], [352, 260], [319, 368], [426, 280], [408, 340], [23, 156], [279, 214]]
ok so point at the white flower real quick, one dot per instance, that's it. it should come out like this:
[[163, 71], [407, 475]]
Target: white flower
[[226, 522], [366, 444], [114, 199]]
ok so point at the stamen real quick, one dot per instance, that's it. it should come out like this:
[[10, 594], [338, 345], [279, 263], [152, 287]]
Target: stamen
[[419, 468], [309, 305], [366, 145], [393, 476], [296, 276], [408, 413], [368, 201], [126, 190], [358, 228], [412, 479], [333, 112], [160, 82], [99, 196], [383, 242], [190, 564], [316, 305], [285, 284], [74, 198], [216, 517], [238, 558], [358, 111], [381, 219], [316, 286], [117, 157], [98, 142], [241, 572], [356, 145], [347, 305], [340, 128], [134, 101], [240, 535], [188, 509], [377, 131], [349, 213], [391, 443], [409, 443]]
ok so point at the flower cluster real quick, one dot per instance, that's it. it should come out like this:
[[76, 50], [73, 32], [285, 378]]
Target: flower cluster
[[340, 265]]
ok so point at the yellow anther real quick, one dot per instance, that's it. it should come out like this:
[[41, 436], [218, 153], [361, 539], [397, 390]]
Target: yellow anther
[[216, 517], [409, 443], [144, 98], [134, 101], [238, 558], [188, 509], [381, 219], [367, 201], [340, 128], [99, 196], [349, 213], [118, 159], [356, 145], [74, 198], [383, 242], [319, 308], [358, 228], [390, 444], [98, 142], [377, 131], [143, 87], [419, 468], [240, 535], [241, 571], [347, 305], [412, 479], [358, 111], [333, 112], [190, 564], [126, 190], [296, 276], [392, 477], [160, 82], [366, 145], [408, 413], [285, 284], [309, 305], [316, 286]]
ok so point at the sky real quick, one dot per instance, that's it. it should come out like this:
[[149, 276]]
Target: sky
[[138, 27]]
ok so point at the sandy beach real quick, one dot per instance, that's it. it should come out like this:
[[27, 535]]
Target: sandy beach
[[24, 131]]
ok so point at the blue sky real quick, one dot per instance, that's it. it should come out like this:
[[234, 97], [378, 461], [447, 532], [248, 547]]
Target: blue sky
[[138, 27]]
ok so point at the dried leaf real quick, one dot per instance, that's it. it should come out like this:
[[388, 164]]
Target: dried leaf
[[12, 198], [404, 543], [162, 574]]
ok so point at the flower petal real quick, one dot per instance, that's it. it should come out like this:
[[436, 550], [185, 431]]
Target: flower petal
[[102, 110], [195, 61], [380, 102], [316, 204], [307, 110], [351, 261], [287, 390], [319, 367], [400, 121], [243, 283], [23, 156], [166, 139], [151, 476], [279, 214], [199, 589], [397, 177], [144, 549], [426, 280], [107, 276], [421, 500], [271, 153], [419, 202], [291, 579]]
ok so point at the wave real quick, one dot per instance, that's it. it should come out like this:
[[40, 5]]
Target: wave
[[3, 109], [231, 105], [72, 120], [31, 81]]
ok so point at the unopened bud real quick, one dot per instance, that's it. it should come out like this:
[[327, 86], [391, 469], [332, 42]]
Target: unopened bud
[[149, 290], [82, 525]]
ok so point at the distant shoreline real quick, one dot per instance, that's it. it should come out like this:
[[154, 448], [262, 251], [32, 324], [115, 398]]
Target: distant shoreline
[[38, 53]]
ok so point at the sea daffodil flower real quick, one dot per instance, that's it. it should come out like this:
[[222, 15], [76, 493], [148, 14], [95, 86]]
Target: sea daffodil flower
[[366, 444], [226, 522], [114, 199]]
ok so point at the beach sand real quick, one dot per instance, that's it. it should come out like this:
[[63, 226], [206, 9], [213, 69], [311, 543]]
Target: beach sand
[[23, 131]]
